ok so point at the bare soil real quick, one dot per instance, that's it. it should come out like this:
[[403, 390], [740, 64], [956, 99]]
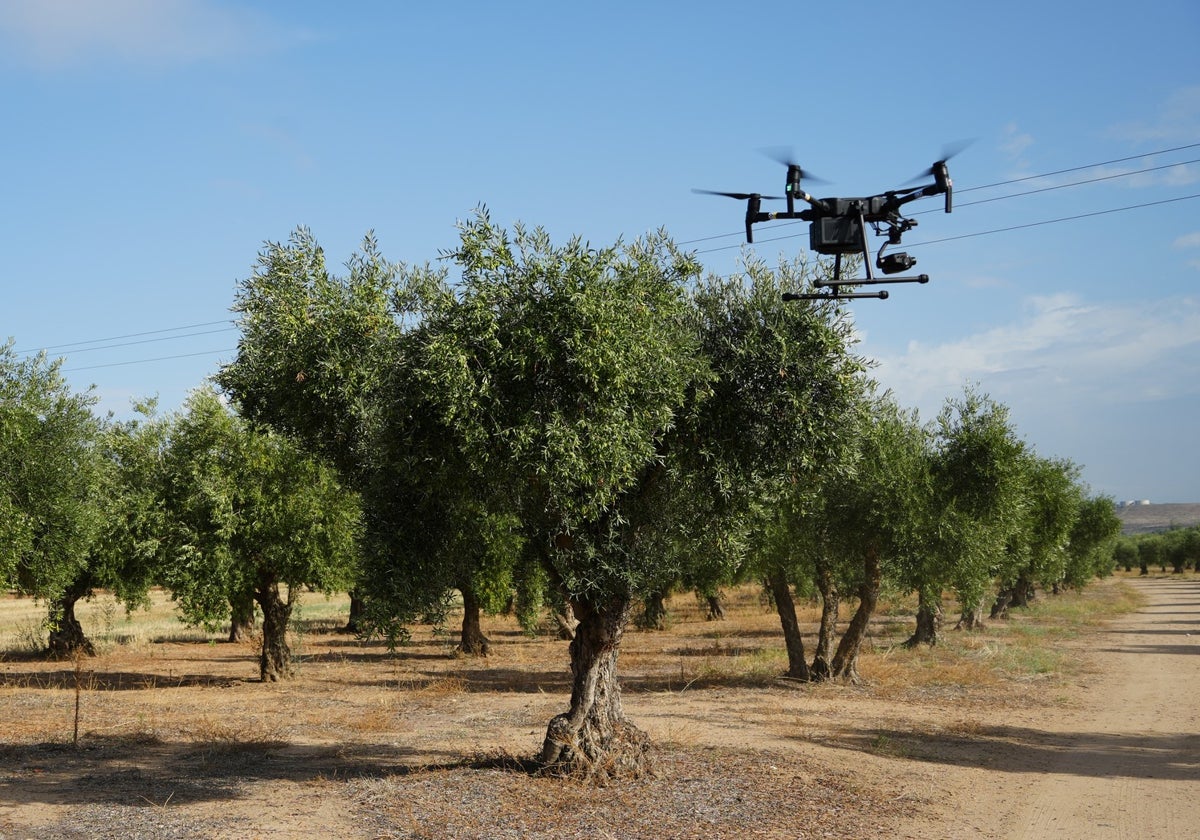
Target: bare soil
[[1045, 726]]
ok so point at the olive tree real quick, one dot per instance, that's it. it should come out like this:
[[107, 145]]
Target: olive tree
[[1036, 553], [52, 488], [1091, 541], [563, 372], [976, 481], [125, 555], [250, 515]]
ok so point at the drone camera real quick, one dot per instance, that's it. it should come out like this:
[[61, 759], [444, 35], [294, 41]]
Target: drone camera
[[895, 263]]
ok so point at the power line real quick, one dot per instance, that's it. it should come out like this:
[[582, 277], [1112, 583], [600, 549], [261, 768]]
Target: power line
[[1079, 168], [142, 341], [131, 335], [146, 361], [1055, 221]]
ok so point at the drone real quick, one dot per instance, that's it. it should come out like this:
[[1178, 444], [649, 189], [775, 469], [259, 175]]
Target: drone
[[838, 227]]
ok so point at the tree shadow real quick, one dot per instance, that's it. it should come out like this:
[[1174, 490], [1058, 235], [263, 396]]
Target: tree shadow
[[1013, 749], [88, 680], [142, 771], [1143, 649]]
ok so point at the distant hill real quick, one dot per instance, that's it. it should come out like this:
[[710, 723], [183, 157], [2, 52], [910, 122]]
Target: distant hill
[[1142, 519]]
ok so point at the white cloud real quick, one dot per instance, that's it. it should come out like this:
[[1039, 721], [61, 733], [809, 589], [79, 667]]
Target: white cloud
[[1188, 240], [1015, 141], [1177, 120], [68, 33], [1061, 351]]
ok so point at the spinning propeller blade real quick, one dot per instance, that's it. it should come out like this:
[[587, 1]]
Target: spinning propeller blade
[[740, 196], [941, 173], [949, 151], [787, 156]]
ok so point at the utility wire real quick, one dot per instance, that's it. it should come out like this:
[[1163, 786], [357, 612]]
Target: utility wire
[[1055, 221], [142, 341], [145, 361], [131, 335], [1078, 168]]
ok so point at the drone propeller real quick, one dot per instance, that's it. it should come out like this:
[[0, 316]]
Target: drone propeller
[[940, 172], [949, 151], [795, 174], [740, 196], [787, 156], [753, 203]]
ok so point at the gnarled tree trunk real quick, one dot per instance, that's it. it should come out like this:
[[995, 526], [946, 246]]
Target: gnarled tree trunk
[[654, 613], [845, 661], [1000, 605], [971, 618], [241, 617], [594, 739], [1023, 591], [715, 610], [473, 642], [275, 663], [781, 592], [353, 623], [929, 619], [830, 604], [66, 633]]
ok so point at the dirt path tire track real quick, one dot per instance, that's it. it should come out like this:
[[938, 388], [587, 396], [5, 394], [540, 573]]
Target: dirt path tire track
[[1126, 765]]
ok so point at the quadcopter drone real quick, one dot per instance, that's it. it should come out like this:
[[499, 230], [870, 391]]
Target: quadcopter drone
[[839, 227]]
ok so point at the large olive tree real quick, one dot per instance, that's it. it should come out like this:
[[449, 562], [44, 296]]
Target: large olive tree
[[564, 372]]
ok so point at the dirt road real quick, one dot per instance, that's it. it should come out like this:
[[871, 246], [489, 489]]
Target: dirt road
[[1122, 761]]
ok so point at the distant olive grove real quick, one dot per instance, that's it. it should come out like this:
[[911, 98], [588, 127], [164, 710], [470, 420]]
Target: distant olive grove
[[1175, 548], [554, 429]]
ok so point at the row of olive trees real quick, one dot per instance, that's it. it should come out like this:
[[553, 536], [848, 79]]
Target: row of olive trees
[[198, 502], [586, 428], [593, 427], [1178, 548]]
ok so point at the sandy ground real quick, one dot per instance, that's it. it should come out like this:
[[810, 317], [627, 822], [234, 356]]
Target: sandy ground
[[179, 740], [1123, 761]]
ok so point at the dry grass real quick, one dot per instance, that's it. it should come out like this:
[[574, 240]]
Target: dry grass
[[423, 734]]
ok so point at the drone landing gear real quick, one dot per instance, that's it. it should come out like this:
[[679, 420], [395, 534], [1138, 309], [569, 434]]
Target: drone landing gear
[[888, 265]]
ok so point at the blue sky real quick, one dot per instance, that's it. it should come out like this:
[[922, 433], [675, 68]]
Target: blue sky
[[152, 146]]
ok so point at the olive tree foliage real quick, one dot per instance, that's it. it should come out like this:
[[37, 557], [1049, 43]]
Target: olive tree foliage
[[862, 524], [784, 388], [782, 420], [127, 552], [976, 480], [1091, 540], [52, 482], [1177, 547], [308, 362], [251, 515], [325, 359], [1036, 553]]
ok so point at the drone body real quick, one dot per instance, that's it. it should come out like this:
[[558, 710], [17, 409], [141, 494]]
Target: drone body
[[838, 227]]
